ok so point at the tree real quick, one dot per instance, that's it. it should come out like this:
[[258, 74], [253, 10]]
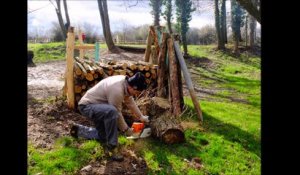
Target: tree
[[236, 21], [168, 14], [221, 43], [223, 26], [252, 25], [183, 17], [64, 26], [102, 5], [156, 10], [252, 8]]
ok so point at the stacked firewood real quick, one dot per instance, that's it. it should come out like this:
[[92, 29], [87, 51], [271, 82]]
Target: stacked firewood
[[88, 73]]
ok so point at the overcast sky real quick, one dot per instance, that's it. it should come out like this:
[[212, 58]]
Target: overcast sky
[[41, 14]]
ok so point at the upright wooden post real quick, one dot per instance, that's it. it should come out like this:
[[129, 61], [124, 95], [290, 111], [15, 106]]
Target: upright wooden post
[[174, 88], [148, 47], [70, 64], [161, 72], [81, 51], [188, 80]]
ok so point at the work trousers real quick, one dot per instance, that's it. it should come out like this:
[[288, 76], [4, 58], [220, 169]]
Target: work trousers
[[105, 118]]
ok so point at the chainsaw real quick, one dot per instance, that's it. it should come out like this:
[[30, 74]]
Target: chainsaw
[[140, 131]]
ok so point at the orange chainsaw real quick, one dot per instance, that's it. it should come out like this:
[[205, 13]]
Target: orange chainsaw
[[140, 130]]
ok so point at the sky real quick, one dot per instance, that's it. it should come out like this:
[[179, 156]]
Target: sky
[[122, 13]]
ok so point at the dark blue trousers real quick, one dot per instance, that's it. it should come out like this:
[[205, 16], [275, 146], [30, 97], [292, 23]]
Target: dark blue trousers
[[105, 118]]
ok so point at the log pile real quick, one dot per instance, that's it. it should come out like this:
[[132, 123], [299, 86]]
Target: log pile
[[88, 73]]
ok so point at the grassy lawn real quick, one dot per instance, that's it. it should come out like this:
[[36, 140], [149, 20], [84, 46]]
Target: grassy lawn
[[52, 51], [228, 142]]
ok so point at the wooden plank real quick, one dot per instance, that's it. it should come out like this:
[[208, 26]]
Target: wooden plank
[[70, 67], [188, 80], [86, 47]]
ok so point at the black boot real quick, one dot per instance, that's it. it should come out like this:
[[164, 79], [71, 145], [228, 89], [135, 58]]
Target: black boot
[[74, 131], [113, 154]]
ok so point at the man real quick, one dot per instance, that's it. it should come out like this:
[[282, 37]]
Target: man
[[103, 105]]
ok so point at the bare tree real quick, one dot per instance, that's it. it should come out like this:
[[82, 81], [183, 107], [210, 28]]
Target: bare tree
[[63, 26], [102, 5]]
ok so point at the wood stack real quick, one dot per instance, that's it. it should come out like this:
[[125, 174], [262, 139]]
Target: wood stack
[[88, 73]]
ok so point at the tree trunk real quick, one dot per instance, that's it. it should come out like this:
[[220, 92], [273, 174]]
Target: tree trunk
[[223, 22], [251, 8], [246, 31], [60, 20], [252, 26], [217, 24], [68, 23], [102, 5]]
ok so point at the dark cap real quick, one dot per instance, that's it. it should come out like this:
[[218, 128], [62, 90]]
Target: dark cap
[[137, 81]]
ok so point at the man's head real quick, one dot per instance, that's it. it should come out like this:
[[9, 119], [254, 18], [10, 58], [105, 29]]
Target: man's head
[[136, 83]]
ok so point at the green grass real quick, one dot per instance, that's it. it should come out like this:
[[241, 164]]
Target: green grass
[[53, 51], [65, 158]]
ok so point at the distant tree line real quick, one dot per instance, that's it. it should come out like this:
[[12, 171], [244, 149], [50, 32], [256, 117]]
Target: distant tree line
[[239, 27]]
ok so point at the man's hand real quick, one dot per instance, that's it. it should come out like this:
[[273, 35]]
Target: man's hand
[[144, 118]]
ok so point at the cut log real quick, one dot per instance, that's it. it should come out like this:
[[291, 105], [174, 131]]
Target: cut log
[[167, 128], [154, 106]]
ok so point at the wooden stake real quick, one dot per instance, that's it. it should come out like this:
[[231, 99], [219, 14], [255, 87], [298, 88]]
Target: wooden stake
[[174, 88], [70, 66], [148, 48], [188, 80]]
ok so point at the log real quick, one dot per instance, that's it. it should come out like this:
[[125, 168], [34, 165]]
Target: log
[[174, 88], [167, 129], [154, 106], [188, 80], [162, 68]]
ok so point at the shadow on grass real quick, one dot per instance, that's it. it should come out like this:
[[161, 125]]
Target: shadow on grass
[[185, 151], [234, 83], [233, 134]]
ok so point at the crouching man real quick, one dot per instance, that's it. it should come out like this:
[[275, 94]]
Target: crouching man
[[103, 105]]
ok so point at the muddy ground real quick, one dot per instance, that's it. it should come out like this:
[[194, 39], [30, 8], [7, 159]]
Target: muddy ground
[[47, 122]]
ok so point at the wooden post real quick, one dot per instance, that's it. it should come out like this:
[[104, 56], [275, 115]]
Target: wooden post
[[81, 51], [174, 88], [188, 80], [70, 67], [162, 67], [148, 47]]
